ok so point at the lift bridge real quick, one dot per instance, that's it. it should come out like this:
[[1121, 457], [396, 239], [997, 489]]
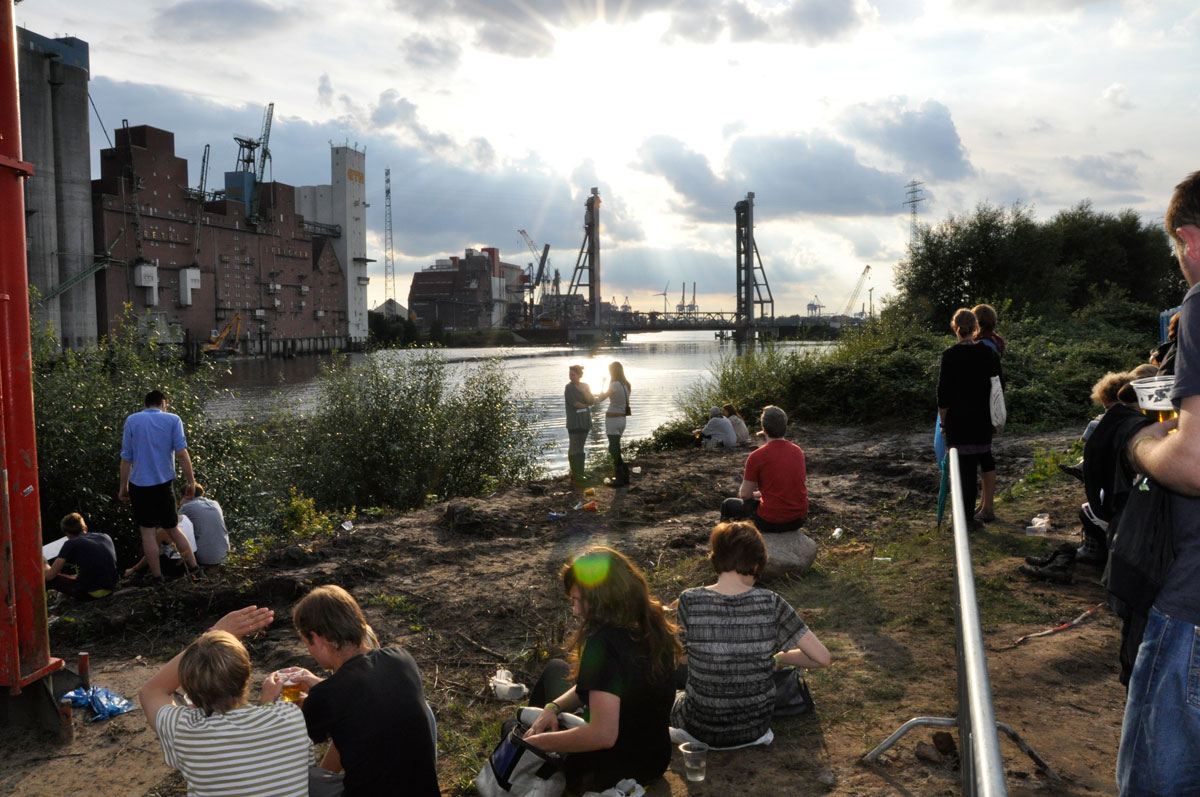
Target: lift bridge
[[586, 317]]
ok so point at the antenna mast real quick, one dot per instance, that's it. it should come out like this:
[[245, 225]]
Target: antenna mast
[[389, 264]]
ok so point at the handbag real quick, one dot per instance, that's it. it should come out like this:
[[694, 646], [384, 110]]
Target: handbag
[[996, 400], [518, 769], [792, 697]]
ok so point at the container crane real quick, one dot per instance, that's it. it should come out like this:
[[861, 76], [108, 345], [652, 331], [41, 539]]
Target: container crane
[[857, 290], [200, 197]]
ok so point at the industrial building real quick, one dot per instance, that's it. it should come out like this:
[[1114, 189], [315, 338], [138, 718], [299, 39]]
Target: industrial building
[[475, 291], [245, 260], [53, 79]]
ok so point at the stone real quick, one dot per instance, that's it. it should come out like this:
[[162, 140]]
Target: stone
[[927, 752], [944, 743], [789, 553]]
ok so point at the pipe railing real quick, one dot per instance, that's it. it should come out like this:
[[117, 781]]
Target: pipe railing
[[982, 767]]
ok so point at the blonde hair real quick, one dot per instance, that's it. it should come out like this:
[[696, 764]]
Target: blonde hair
[[214, 671]]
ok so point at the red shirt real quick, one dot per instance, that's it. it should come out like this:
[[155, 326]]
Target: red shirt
[[778, 470]]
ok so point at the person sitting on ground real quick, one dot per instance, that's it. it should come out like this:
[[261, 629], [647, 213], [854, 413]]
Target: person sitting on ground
[[220, 744], [170, 558], [736, 635], [93, 556], [773, 493], [623, 658], [739, 426], [208, 521], [372, 708], [718, 432]]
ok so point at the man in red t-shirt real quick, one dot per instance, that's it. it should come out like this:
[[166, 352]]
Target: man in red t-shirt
[[773, 493]]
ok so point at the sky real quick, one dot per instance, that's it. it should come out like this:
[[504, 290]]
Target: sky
[[499, 115]]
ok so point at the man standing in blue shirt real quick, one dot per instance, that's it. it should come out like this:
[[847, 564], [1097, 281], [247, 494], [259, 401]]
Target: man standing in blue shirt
[[150, 445], [1160, 735]]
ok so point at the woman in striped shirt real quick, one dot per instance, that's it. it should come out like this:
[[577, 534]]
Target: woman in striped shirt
[[735, 636]]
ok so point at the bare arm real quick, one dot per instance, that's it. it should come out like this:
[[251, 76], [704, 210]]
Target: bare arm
[[747, 490], [332, 760], [808, 653], [50, 571], [189, 478], [599, 734], [159, 690], [123, 492], [141, 563], [1172, 460]]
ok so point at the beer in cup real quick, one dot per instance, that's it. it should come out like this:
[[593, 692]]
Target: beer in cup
[[1153, 395]]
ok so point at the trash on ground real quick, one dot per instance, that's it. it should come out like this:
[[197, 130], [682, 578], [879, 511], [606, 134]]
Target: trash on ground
[[106, 704], [557, 515], [505, 688], [837, 534], [590, 506], [887, 559]]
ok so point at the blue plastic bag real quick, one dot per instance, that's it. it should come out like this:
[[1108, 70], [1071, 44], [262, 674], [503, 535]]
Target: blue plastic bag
[[106, 704]]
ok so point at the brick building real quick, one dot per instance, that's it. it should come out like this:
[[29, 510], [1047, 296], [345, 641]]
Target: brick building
[[476, 291], [283, 279]]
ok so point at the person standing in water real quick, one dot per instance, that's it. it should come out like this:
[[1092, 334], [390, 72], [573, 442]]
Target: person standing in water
[[614, 419]]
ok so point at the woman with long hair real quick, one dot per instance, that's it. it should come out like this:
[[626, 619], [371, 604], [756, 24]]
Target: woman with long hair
[[730, 411], [614, 419], [622, 662]]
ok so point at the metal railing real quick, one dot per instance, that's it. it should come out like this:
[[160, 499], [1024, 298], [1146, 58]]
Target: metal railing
[[982, 767]]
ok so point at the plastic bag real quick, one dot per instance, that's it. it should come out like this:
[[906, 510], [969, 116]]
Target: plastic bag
[[106, 704]]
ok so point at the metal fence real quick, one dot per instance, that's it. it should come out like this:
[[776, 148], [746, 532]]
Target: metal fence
[[979, 743]]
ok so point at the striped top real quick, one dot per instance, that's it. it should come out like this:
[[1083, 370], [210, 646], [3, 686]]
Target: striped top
[[730, 641], [253, 750]]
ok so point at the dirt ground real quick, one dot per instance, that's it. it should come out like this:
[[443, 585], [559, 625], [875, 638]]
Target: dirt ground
[[471, 585]]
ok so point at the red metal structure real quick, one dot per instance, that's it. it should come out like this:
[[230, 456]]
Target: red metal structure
[[24, 637]]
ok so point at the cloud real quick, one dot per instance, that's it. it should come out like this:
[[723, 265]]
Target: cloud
[[617, 222], [436, 55], [789, 175], [1116, 96], [1113, 171], [1035, 7], [525, 29], [224, 20], [324, 91], [925, 139]]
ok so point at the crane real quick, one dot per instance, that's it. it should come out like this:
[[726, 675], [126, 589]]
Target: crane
[[543, 261], [253, 154], [854, 295], [200, 197], [681, 308], [815, 307], [389, 263], [216, 344]]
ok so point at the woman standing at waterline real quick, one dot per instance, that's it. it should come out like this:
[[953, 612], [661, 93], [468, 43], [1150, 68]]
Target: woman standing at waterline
[[614, 419]]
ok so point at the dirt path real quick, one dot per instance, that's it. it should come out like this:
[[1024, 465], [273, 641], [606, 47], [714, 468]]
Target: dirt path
[[472, 585]]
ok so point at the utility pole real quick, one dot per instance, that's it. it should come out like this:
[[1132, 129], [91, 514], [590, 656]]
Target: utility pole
[[914, 198], [389, 265]]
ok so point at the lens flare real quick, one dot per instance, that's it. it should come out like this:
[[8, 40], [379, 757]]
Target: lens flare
[[591, 569]]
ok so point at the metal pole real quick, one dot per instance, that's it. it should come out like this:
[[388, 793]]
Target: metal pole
[[23, 624]]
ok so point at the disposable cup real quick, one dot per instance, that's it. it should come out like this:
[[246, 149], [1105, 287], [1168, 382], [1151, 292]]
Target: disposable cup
[[695, 759], [1154, 395]]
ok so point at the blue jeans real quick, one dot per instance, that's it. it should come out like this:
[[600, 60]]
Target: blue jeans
[[1160, 737]]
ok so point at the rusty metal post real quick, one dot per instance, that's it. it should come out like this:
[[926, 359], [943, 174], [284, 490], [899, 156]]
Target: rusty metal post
[[24, 636]]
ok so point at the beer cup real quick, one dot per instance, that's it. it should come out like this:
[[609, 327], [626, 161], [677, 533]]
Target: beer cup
[[292, 686], [1153, 395]]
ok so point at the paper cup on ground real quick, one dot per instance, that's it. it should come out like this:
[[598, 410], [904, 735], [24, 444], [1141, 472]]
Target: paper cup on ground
[[695, 759]]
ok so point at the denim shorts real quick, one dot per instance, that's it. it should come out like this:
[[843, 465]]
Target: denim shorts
[[1160, 736]]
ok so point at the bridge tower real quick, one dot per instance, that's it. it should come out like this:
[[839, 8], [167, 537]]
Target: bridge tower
[[754, 300], [587, 266]]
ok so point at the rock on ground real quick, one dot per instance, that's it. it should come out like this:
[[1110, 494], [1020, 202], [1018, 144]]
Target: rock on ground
[[790, 552]]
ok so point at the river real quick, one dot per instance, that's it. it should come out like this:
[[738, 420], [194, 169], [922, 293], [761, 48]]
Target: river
[[660, 366]]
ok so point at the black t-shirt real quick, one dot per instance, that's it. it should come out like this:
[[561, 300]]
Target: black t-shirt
[[964, 389], [612, 661], [374, 709], [95, 557]]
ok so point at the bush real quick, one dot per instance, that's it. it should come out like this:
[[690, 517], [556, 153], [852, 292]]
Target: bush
[[398, 433]]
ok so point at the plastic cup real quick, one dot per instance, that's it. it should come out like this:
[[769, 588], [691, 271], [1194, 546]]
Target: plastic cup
[[293, 688], [695, 760], [1154, 397]]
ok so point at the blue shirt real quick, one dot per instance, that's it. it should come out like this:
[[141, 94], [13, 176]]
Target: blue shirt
[[150, 440]]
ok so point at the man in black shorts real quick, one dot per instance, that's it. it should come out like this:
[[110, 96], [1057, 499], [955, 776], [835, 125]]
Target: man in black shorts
[[150, 445]]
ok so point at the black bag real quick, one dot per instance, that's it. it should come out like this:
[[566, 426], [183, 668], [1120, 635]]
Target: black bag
[[792, 697], [1142, 547]]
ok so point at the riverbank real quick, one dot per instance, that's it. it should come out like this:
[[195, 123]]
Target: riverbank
[[470, 585]]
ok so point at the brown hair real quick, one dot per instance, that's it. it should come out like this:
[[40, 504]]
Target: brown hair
[[614, 594], [72, 524], [575, 369], [964, 321], [731, 411], [737, 546], [1105, 391], [1184, 208], [334, 614], [773, 421], [214, 671], [985, 314], [1173, 328]]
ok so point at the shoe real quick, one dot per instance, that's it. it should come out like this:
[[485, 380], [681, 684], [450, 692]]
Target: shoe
[[1075, 470], [985, 517], [1057, 574], [974, 525], [1097, 557], [1065, 553]]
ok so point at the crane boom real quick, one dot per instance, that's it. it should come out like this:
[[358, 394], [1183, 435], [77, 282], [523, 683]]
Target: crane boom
[[857, 290]]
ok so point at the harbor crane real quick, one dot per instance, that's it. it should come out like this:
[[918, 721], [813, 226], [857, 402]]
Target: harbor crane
[[815, 307], [543, 261], [253, 154], [201, 196], [854, 294]]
